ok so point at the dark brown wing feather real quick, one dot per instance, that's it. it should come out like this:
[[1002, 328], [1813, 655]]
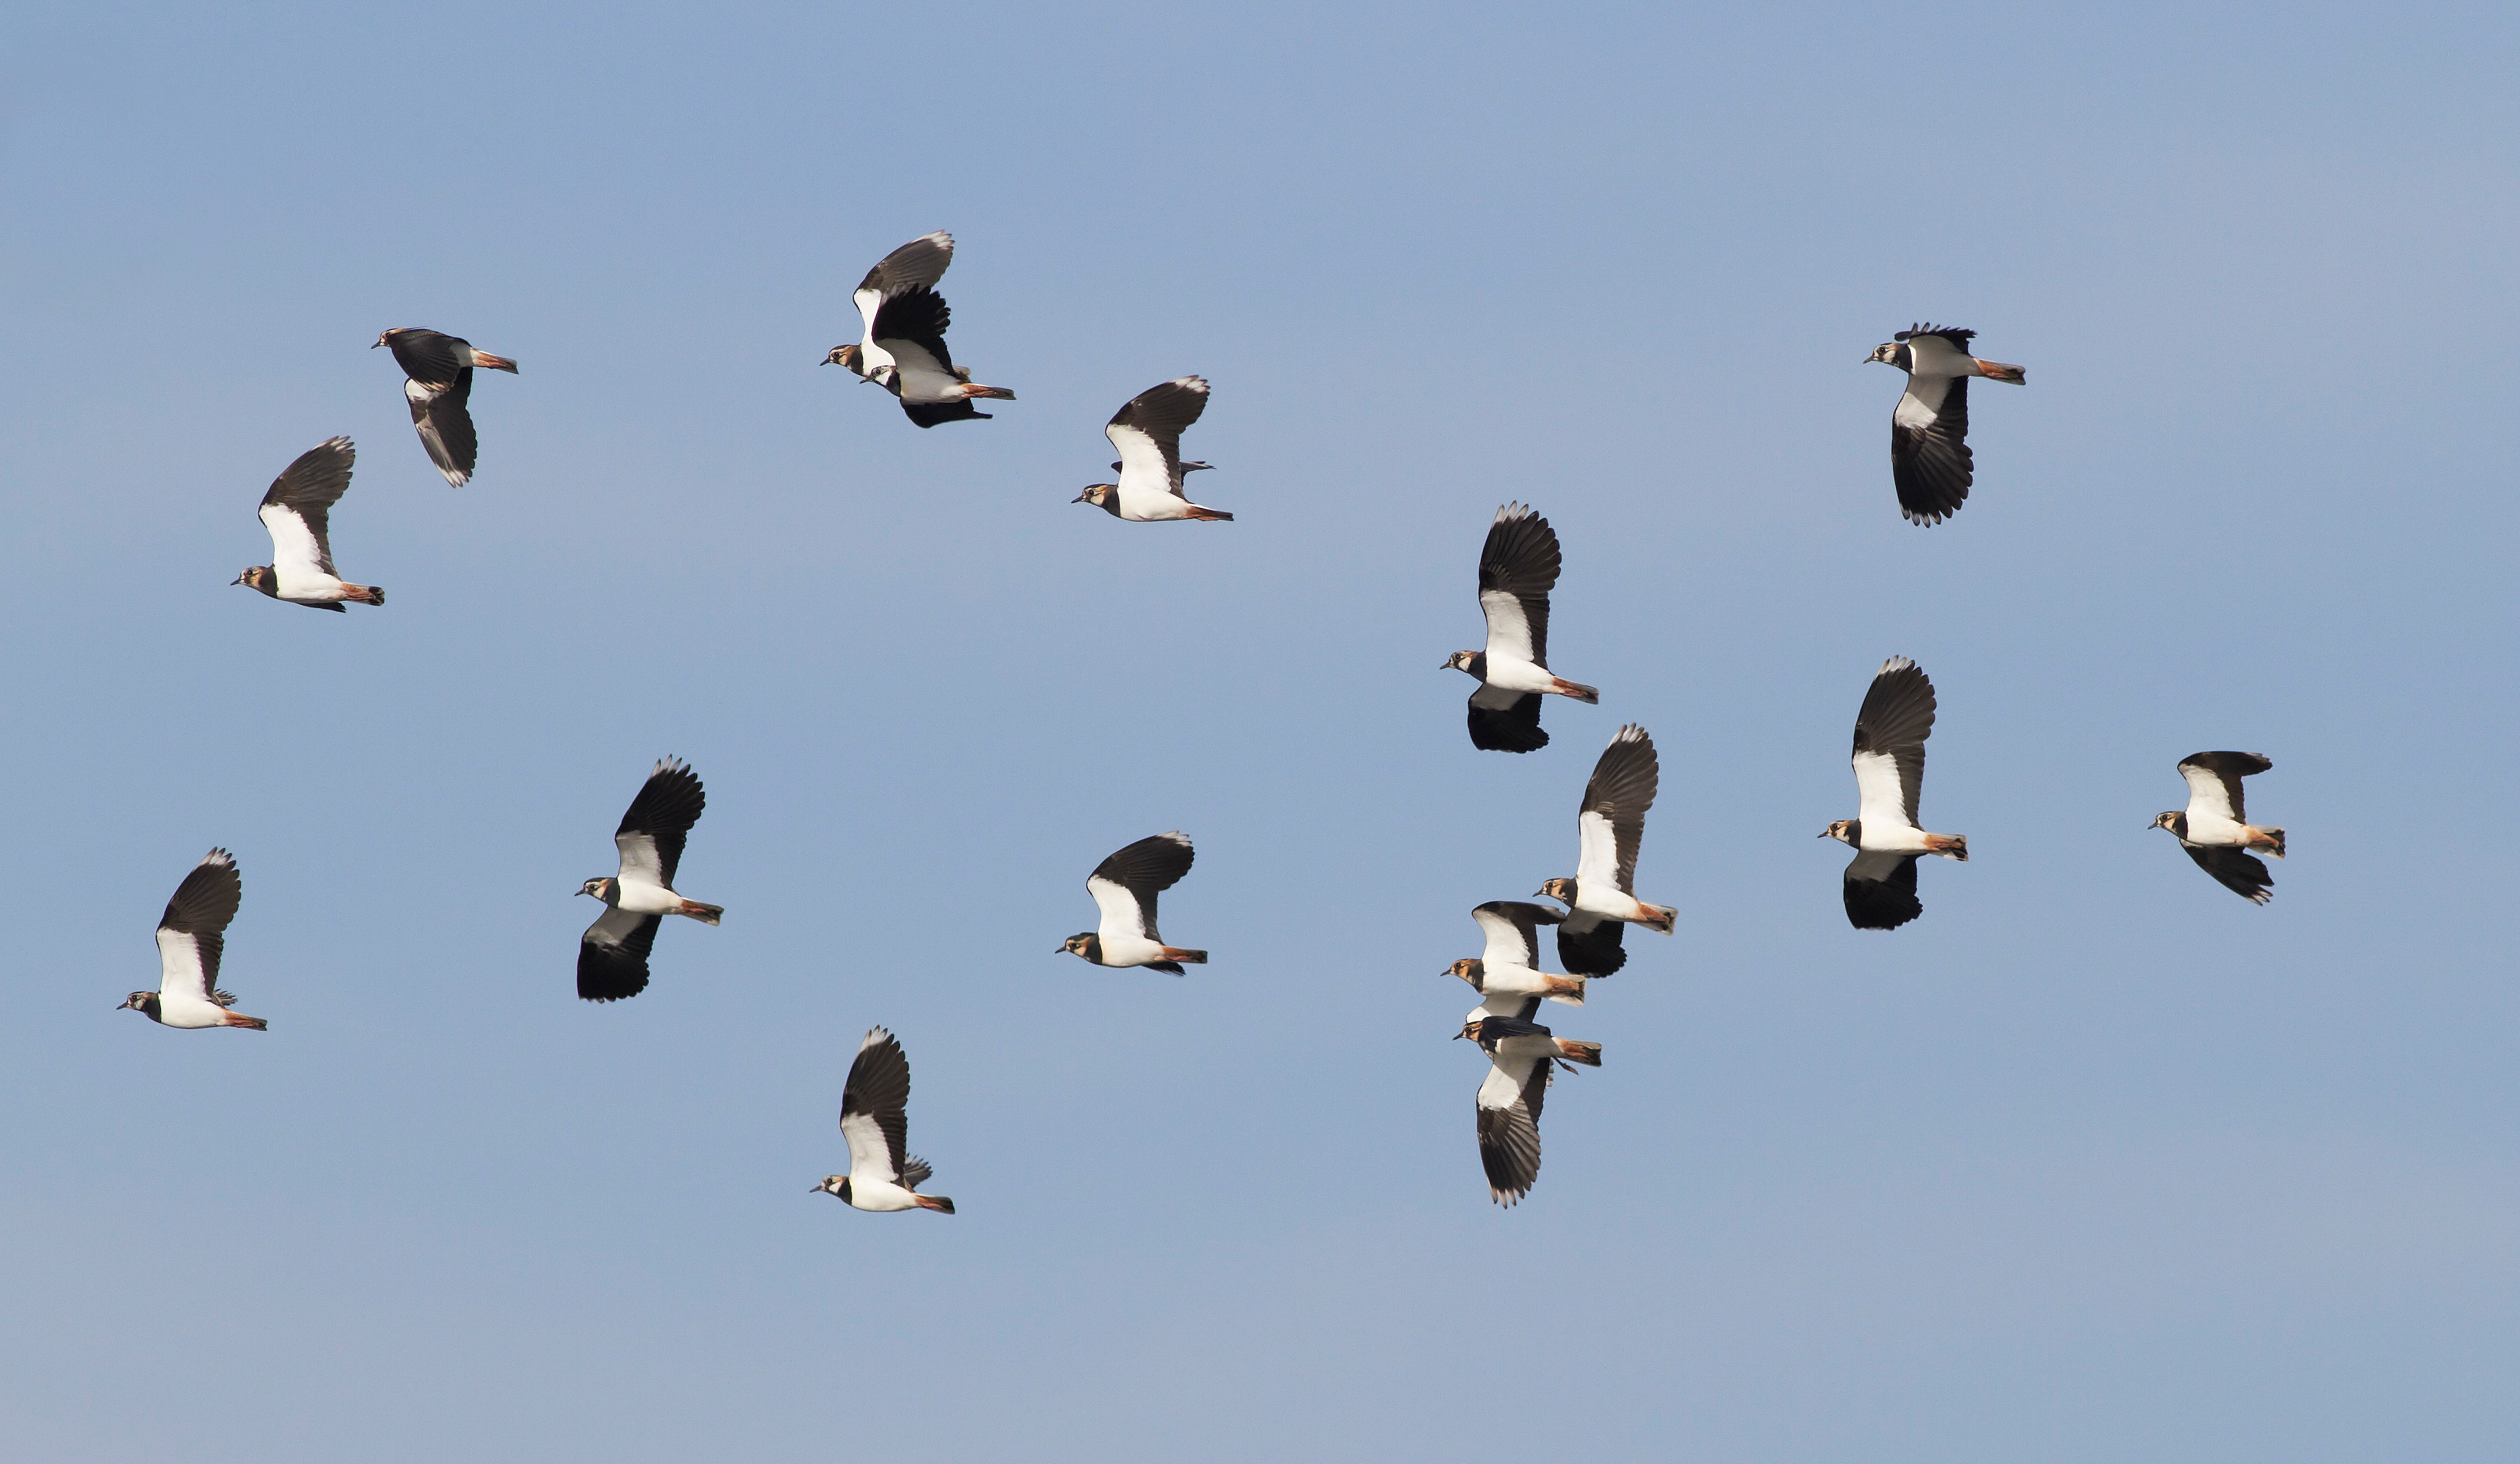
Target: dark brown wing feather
[[1896, 717], [879, 1087], [668, 804]]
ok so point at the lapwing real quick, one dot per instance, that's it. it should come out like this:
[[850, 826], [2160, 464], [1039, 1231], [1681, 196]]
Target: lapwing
[[1890, 732], [612, 954], [1609, 829], [1507, 975], [297, 511], [1148, 435], [1929, 455], [875, 1119], [440, 371], [903, 350], [191, 936], [1517, 568], [1522, 1060], [1124, 887], [2215, 829]]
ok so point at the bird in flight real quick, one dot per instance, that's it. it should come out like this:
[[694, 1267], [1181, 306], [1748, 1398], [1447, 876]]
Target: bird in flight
[[192, 935], [875, 1119], [612, 954], [1929, 455], [439, 368], [903, 349], [1146, 434], [1610, 830], [2213, 828], [1890, 732], [297, 513], [1124, 889], [1517, 568]]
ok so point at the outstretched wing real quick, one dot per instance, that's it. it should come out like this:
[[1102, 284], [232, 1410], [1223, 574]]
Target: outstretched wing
[[1147, 432], [875, 1108], [445, 425], [2242, 873], [1517, 568], [2214, 784], [297, 508], [1505, 722], [1882, 892], [1929, 455], [1589, 945], [651, 833], [1508, 1130], [192, 935], [1124, 885], [1611, 827], [1890, 732], [612, 956], [920, 262], [1513, 928], [916, 319]]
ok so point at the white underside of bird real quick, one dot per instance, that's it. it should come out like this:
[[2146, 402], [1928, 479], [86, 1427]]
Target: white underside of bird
[[1882, 813]]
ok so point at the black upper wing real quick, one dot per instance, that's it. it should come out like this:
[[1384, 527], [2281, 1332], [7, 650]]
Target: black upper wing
[[201, 907], [1514, 728], [1589, 945], [1879, 900], [1621, 789], [2242, 873], [920, 317], [428, 356], [612, 956], [1896, 719], [878, 1088], [668, 804], [1521, 559], [2231, 769], [445, 425], [920, 261]]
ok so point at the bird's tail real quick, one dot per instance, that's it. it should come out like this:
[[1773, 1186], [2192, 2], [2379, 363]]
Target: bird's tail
[[1566, 988], [1590, 696], [1195, 957], [704, 914], [1949, 845], [1659, 918], [1210, 515], [1587, 1053], [994, 394], [366, 594], [937, 1202], [489, 362], [2267, 841], [1997, 371], [239, 1019]]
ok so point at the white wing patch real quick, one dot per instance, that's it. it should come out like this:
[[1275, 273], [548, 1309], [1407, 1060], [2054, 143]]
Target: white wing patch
[[640, 860], [295, 552], [2208, 800], [1883, 801], [179, 964], [869, 1153], [1142, 459], [1121, 917], [1597, 861], [1922, 405], [1506, 945], [612, 928], [1509, 632]]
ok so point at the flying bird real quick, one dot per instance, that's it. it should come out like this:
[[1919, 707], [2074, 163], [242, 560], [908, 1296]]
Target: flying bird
[[1522, 1060], [1148, 435], [904, 350], [1517, 568], [1124, 887], [612, 954], [1929, 455], [874, 1120], [1507, 975], [1890, 732], [297, 511], [1609, 829], [441, 368], [191, 936], [2215, 829]]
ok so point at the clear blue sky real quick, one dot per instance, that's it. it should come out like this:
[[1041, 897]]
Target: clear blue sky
[[2095, 1162]]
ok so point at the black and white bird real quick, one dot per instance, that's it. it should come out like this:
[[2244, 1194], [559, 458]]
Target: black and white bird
[[1146, 432], [190, 937], [2215, 826], [1507, 975], [1517, 568], [1523, 1059], [1929, 454], [440, 371], [1890, 732], [612, 954], [1124, 889], [903, 349], [875, 1119], [297, 511], [1609, 829]]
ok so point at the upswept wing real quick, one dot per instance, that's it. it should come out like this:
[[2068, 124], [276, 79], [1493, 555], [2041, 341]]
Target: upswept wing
[[1518, 566], [445, 425], [192, 935], [1513, 928], [1147, 432], [916, 320], [918, 263], [1882, 892], [2213, 782], [297, 508], [651, 833], [1930, 462], [1124, 885], [2242, 873], [1612, 824], [612, 956], [1890, 732], [1508, 1130], [875, 1108]]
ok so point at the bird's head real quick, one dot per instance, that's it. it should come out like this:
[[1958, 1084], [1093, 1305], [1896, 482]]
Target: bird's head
[[388, 338], [2176, 821], [842, 355], [1843, 831], [1888, 353], [601, 889], [837, 1185], [1460, 660], [1088, 945], [143, 1002], [1557, 890], [1098, 495], [258, 578], [1471, 970]]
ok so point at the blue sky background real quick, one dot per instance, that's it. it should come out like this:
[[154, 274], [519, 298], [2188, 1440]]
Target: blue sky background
[[2093, 1163]]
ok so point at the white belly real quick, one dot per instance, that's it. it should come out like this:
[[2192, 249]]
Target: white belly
[[1517, 675], [640, 898], [1130, 950], [186, 1012], [1891, 839], [1148, 505], [313, 589], [2213, 830], [1603, 898], [1499, 980], [880, 1195]]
